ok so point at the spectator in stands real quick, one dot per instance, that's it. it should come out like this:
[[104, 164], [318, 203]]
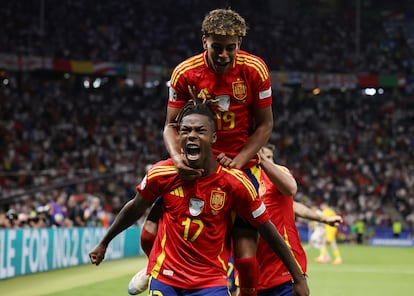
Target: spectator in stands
[[94, 214], [77, 204]]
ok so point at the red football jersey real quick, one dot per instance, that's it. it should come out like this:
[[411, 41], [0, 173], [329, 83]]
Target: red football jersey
[[280, 208], [193, 243], [239, 91]]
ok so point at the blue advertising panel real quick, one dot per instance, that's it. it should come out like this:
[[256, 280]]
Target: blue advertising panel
[[25, 251]]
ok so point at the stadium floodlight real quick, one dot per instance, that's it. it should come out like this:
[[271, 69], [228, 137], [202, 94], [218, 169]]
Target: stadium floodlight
[[316, 91], [97, 83], [370, 91], [86, 83], [129, 82]]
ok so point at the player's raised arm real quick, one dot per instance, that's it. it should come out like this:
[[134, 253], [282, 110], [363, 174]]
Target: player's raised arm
[[129, 214], [303, 211], [280, 176]]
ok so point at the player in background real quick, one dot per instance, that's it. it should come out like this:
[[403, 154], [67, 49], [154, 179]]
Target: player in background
[[330, 239], [317, 237], [277, 189], [317, 233], [305, 212], [239, 83], [190, 254]]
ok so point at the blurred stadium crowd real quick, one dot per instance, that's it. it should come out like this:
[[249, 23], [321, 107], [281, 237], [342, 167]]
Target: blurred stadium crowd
[[70, 156], [300, 35]]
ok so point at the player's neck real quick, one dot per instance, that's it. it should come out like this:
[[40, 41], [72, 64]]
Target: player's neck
[[210, 167]]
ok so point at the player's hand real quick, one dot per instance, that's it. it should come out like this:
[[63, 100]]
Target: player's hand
[[202, 95], [225, 161], [186, 172], [301, 288], [192, 91], [97, 254], [333, 220], [228, 162]]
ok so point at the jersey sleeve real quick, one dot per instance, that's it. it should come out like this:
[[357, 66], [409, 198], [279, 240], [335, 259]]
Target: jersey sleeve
[[260, 78], [157, 177], [178, 94], [264, 92], [247, 203]]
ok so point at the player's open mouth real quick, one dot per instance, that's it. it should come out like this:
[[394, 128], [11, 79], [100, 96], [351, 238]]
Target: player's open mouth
[[193, 152], [222, 64]]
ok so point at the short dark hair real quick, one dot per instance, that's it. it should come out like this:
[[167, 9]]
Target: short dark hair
[[197, 106]]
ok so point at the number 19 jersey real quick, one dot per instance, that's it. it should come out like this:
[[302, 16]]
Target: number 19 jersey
[[238, 92]]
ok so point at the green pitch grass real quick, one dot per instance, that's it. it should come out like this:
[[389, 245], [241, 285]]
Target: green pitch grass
[[379, 271], [366, 270], [109, 278]]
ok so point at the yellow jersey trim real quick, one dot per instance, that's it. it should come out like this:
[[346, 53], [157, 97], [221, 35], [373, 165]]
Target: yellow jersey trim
[[253, 62], [244, 180], [188, 64]]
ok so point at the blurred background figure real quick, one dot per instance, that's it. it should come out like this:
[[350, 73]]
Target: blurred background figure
[[396, 228], [94, 214], [330, 239], [360, 231], [12, 219]]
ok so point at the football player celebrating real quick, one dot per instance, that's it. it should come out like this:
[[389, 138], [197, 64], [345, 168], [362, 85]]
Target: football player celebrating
[[192, 249]]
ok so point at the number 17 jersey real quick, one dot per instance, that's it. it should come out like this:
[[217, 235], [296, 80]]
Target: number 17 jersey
[[192, 247]]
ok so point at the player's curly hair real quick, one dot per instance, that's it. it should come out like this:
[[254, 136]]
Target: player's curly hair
[[224, 22], [197, 106]]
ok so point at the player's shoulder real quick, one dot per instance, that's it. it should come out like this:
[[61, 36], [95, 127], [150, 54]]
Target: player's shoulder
[[238, 178], [233, 171], [243, 56], [190, 63], [163, 168], [187, 65], [252, 63]]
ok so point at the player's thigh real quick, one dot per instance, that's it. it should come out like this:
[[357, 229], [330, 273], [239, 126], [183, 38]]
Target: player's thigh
[[157, 288], [331, 235], [231, 276], [285, 289], [215, 291], [317, 239]]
